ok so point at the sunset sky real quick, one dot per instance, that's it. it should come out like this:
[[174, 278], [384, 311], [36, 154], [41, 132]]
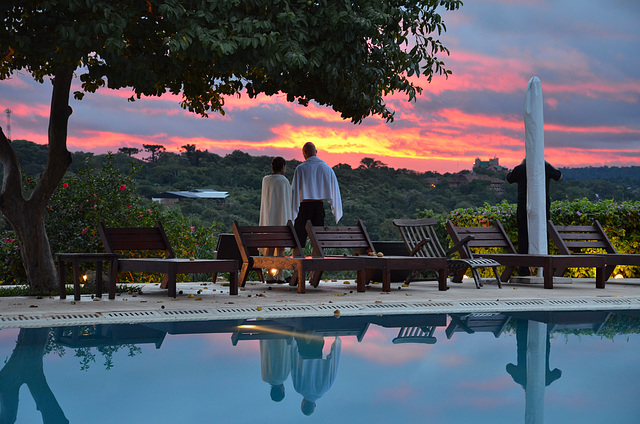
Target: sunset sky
[[585, 52]]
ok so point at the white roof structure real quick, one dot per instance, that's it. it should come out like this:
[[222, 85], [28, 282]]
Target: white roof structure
[[195, 194]]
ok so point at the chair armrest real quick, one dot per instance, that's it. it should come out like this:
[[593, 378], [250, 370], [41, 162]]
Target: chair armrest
[[460, 244], [419, 246]]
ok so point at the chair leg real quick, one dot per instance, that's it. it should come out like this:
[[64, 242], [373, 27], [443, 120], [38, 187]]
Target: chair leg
[[98, 265], [476, 277], [76, 280], [233, 282], [442, 279], [560, 272], [314, 278], [360, 281], [506, 274], [458, 274], [600, 278], [301, 282], [113, 278], [244, 271], [386, 279], [171, 282], [61, 283], [495, 271], [411, 276], [608, 270]]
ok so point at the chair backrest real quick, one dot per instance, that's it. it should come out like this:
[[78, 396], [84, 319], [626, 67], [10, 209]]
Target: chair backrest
[[252, 237], [420, 237], [574, 238], [415, 335], [135, 239], [345, 237], [494, 236]]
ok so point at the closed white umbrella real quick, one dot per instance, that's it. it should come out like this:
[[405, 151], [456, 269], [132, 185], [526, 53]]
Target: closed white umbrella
[[534, 145]]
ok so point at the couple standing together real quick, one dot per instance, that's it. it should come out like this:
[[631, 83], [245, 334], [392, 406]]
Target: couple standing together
[[303, 200]]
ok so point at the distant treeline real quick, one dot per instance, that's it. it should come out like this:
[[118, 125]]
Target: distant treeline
[[373, 192], [606, 173]]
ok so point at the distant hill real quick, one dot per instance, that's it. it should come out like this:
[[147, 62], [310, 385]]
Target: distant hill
[[373, 192], [606, 173]]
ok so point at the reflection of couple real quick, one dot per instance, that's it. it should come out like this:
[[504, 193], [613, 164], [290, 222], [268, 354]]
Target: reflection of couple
[[312, 373]]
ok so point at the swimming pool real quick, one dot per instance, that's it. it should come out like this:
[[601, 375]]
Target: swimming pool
[[569, 367]]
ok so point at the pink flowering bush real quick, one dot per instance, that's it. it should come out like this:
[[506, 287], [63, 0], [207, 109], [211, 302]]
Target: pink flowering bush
[[11, 269], [105, 194]]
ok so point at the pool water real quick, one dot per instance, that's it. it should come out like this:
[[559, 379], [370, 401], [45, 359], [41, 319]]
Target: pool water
[[458, 368]]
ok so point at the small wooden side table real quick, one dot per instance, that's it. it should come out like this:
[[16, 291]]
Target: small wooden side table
[[75, 259]]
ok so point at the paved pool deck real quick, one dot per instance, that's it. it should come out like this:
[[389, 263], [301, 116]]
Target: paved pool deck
[[211, 301]]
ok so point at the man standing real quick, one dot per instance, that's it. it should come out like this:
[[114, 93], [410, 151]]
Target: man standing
[[275, 205], [519, 175], [313, 182]]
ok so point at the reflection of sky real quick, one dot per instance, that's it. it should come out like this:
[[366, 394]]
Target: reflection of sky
[[203, 378]]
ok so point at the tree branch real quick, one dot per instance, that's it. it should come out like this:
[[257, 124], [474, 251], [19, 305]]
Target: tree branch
[[59, 157], [12, 176]]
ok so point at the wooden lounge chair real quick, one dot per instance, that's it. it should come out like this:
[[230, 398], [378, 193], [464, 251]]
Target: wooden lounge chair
[[574, 239], [356, 238], [261, 237], [422, 241], [144, 239], [227, 248], [496, 237]]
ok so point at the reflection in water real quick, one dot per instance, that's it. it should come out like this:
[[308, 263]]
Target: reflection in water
[[308, 350], [25, 366], [519, 371], [312, 373], [275, 364]]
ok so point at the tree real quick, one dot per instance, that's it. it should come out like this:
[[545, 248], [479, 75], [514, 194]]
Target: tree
[[155, 150], [194, 155], [370, 163], [129, 151], [346, 55]]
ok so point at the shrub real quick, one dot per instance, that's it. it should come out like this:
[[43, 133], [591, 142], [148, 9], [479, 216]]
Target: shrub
[[104, 194], [620, 221]]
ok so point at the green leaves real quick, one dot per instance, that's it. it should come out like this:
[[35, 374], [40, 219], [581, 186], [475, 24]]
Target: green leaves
[[346, 55]]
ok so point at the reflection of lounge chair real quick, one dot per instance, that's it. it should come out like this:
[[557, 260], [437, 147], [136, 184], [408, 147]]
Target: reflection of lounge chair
[[422, 241], [415, 335], [356, 238], [477, 323], [291, 327], [573, 239], [567, 320], [495, 237], [265, 330], [108, 335], [154, 239]]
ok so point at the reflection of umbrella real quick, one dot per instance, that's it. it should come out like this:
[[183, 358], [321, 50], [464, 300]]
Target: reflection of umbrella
[[534, 144], [536, 375]]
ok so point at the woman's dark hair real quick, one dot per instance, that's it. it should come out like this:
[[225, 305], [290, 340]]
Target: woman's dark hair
[[277, 164]]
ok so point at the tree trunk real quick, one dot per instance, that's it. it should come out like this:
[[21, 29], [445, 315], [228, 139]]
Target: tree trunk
[[27, 215], [36, 252]]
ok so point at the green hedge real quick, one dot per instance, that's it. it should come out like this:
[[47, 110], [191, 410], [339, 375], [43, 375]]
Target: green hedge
[[620, 221]]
